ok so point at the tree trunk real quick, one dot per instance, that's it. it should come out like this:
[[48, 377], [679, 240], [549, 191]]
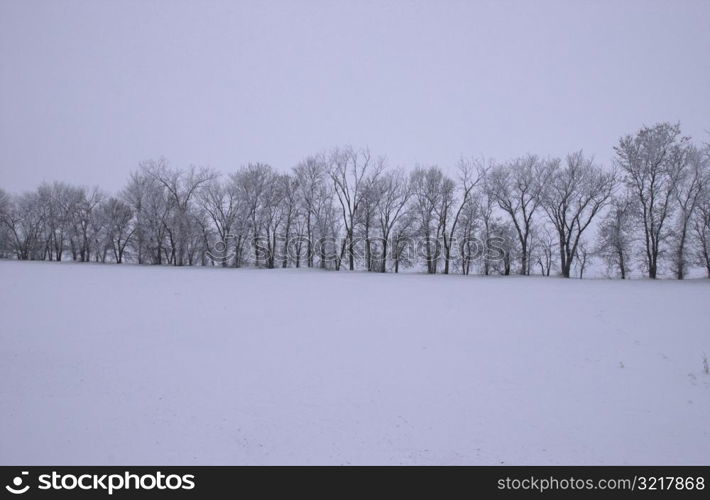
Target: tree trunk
[[284, 264], [680, 255], [652, 269], [383, 264], [309, 242], [447, 256], [351, 250]]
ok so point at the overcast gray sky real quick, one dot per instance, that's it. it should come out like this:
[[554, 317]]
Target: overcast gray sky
[[90, 88]]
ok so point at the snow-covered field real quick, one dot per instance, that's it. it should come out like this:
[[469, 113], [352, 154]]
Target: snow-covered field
[[107, 364]]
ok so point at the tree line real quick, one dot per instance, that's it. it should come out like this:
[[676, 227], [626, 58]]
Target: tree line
[[648, 211]]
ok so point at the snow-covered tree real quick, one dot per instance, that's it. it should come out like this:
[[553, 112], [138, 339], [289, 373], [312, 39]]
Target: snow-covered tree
[[652, 161], [575, 193], [518, 188]]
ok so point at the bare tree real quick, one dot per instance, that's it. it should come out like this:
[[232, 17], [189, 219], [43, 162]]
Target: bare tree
[[501, 249], [428, 184], [486, 205], [393, 193], [401, 238], [348, 169], [366, 217], [158, 212], [135, 196], [687, 194], [583, 256], [701, 217], [546, 244], [518, 187], [616, 234], [84, 223], [24, 219], [652, 161], [220, 202], [181, 186], [449, 210], [119, 224], [204, 247], [468, 245], [328, 230], [252, 184], [574, 196], [290, 212], [5, 203], [312, 191], [60, 203], [153, 211], [272, 216]]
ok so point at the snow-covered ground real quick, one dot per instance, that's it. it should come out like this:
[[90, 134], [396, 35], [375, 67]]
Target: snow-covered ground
[[108, 364]]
